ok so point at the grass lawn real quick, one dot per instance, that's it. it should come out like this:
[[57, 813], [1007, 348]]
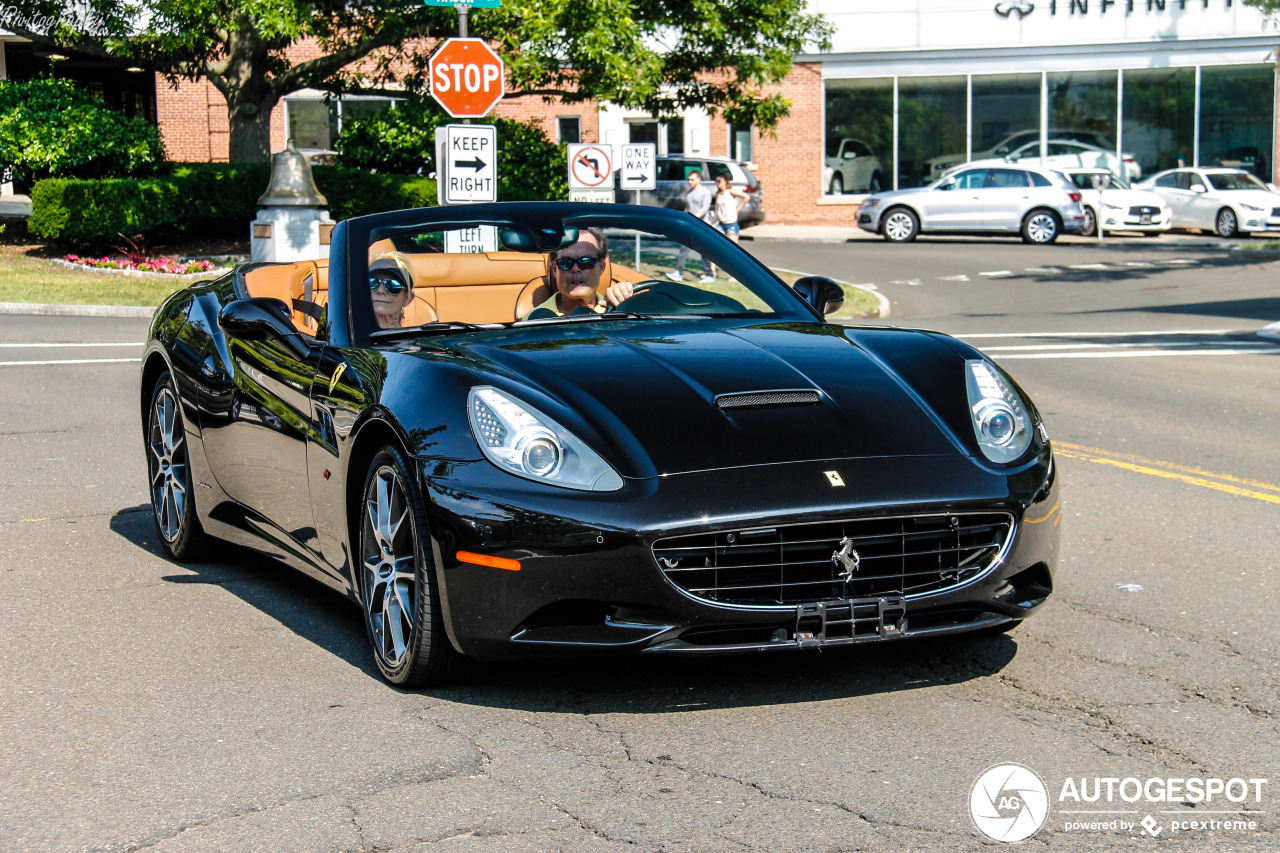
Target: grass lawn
[[27, 276]]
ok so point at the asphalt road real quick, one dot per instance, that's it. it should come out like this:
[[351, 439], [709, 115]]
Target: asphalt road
[[231, 705]]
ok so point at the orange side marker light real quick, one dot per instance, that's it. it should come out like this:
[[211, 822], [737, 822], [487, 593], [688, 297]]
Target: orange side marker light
[[486, 560]]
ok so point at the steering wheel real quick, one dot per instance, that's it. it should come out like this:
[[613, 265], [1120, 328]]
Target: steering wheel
[[669, 297]]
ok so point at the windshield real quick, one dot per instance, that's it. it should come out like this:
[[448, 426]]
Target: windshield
[[1235, 181], [445, 276]]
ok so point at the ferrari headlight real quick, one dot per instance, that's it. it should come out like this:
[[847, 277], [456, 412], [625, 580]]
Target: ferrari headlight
[[1000, 419], [523, 441]]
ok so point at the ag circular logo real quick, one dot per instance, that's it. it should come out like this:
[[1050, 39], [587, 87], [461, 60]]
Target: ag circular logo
[[1009, 803]]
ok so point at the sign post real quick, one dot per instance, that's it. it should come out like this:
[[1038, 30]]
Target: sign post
[[464, 8], [466, 163], [591, 172]]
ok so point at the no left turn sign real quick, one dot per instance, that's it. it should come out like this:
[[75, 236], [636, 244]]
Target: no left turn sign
[[590, 167]]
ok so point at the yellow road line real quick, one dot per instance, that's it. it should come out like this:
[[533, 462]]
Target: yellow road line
[[1182, 478], [1172, 466]]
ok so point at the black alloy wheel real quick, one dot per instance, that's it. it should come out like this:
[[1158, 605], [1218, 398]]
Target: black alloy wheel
[[1041, 226], [169, 470], [397, 578], [1226, 224]]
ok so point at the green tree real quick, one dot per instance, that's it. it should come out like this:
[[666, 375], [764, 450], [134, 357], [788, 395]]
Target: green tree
[[49, 128], [655, 55], [1270, 8]]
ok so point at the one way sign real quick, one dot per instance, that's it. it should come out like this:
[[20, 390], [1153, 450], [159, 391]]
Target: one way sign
[[639, 166], [466, 163]]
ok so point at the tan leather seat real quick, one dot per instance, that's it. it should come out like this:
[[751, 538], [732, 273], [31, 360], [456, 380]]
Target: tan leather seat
[[302, 285]]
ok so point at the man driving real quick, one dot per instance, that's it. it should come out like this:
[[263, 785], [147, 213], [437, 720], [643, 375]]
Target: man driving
[[574, 271]]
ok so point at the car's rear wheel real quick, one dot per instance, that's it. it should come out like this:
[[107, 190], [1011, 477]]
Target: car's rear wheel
[[900, 225], [1226, 224], [173, 502], [1090, 223], [397, 578], [837, 185], [876, 184], [1041, 226]]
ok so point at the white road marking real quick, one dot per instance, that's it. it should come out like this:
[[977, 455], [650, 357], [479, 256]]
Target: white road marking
[[1045, 269], [1178, 344], [1143, 264], [38, 345], [69, 361], [914, 282], [954, 278], [1146, 353], [1100, 334], [1088, 266], [1181, 261], [996, 273]]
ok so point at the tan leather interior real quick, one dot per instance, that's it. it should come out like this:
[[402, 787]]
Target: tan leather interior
[[302, 285], [488, 287]]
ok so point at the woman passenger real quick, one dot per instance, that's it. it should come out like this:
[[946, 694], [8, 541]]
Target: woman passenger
[[390, 289]]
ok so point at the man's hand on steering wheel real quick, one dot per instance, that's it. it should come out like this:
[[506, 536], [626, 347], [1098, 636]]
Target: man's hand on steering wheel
[[618, 292]]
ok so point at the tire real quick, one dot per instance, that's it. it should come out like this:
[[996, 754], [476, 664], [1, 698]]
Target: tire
[[876, 184], [173, 502], [1041, 226], [1090, 228], [397, 579], [1225, 223], [900, 225], [837, 185]]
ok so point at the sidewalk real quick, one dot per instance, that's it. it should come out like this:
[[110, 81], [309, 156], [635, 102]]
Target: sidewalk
[[806, 233]]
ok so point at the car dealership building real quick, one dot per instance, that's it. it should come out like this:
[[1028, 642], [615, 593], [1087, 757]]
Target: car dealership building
[[908, 85]]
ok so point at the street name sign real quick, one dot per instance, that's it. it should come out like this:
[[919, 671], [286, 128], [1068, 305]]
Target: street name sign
[[467, 78], [639, 166], [466, 163], [474, 4], [590, 166]]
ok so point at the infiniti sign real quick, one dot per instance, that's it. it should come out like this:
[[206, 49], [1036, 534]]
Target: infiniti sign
[[1008, 7]]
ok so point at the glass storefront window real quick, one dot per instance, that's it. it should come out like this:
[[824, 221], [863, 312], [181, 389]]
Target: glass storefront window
[[859, 136], [1006, 113], [1159, 117], [931, 127], [1236, 123], [1082, 108]]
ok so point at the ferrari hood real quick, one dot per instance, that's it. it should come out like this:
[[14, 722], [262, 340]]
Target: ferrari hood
[[696, 396]]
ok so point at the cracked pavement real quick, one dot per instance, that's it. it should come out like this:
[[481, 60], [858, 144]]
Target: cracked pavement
[[232, 705]]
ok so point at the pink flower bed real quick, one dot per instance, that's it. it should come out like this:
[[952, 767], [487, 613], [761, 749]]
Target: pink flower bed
[[165, 265]]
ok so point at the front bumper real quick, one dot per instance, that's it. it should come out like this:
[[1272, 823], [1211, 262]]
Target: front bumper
[[589, 583]]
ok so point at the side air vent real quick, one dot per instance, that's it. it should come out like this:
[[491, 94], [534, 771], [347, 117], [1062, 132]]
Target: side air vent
[[799, 397]]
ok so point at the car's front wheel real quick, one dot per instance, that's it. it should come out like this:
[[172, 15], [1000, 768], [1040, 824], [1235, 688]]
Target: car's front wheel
[[900, 225], [1226, 224], [1040, 226], [1090, 223], [173, 503], [876, 184], [397, 578]]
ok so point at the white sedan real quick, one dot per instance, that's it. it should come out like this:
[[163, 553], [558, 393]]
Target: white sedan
[[1113, 204], [1060, 154], [1225, 201]]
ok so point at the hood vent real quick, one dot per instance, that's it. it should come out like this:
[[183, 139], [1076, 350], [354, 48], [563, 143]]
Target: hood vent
[[755, 399]]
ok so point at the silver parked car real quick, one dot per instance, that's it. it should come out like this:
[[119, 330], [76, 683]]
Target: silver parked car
[[1039, 204]]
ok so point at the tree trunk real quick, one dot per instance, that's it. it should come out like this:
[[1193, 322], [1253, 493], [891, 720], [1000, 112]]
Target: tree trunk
[[250, 125]]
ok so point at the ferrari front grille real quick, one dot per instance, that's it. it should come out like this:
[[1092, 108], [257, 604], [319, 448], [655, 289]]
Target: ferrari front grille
[[799, 396], [855, 558]]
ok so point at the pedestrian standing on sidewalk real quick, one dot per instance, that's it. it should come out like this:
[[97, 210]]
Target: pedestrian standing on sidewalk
[[728, 201], [697, 201]]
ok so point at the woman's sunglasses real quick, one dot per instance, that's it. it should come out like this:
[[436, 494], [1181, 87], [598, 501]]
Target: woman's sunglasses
[[394, 286], [584, 263]]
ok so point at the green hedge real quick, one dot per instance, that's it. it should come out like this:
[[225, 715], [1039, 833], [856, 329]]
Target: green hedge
[[201, 200]]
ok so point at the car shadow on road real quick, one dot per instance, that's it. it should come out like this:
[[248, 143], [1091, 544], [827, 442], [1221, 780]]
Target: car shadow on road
[[1260, 309], [635, 684], [304, 606]]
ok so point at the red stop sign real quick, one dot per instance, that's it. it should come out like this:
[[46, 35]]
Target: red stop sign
[[466, 78]]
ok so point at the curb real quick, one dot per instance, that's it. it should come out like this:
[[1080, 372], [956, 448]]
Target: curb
[[36, 308]]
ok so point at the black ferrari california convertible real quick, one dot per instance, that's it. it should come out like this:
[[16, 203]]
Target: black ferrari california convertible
[[698, 466]]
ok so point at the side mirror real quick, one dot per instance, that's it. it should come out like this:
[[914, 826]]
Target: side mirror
[[849, 155], [1199, 188], [255, 319], [947, 184], [820, 292]]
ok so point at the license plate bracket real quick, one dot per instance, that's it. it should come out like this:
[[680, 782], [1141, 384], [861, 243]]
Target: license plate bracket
[[849, 620]]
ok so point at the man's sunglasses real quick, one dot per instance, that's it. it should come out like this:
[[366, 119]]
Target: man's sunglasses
[[584, 263], [394, 286]]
